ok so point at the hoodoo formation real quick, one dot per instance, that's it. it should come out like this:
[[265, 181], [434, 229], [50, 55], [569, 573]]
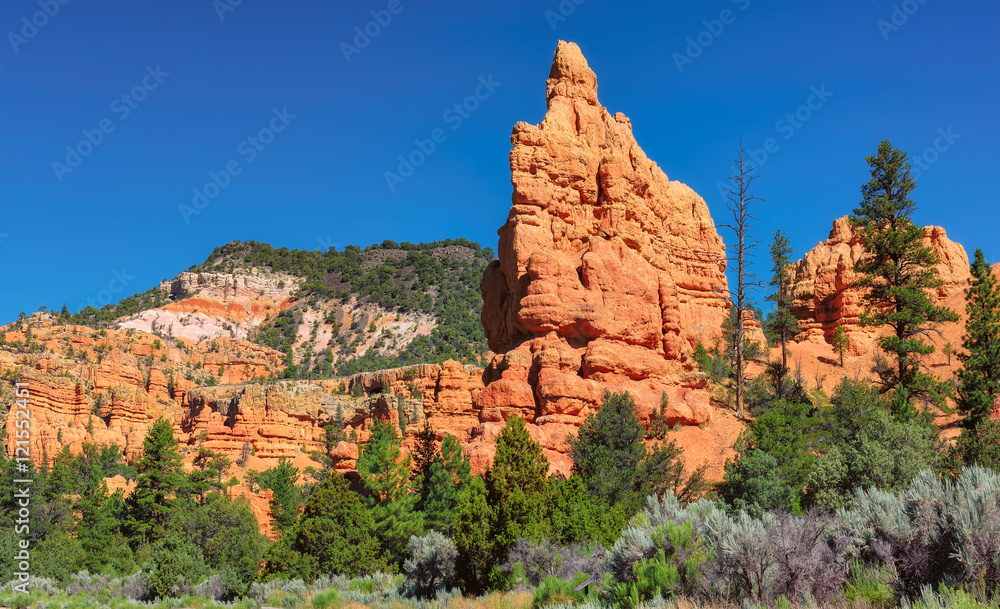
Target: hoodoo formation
[[608, 272]]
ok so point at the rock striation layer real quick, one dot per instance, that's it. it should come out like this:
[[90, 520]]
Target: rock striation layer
[[608, 273]]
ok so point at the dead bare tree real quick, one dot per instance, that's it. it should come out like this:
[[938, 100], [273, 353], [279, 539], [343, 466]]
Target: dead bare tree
[[740, 199]]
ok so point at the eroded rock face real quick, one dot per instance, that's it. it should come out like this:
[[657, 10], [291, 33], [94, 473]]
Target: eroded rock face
[[608, 272], [822, 285]]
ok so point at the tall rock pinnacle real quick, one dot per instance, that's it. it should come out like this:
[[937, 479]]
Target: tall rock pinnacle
[[608, 272]]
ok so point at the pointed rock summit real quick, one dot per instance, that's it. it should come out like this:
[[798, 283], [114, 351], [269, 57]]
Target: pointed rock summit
[[570, 76], [608, 272]]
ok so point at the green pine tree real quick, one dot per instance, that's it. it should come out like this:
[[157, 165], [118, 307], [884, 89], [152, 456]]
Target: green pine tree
[[425, 453], [780, 323], [518, 481], [608, 452], [510, 503], [334, 534], [286, 498], [228, 535], [208, 475], [840, 342], [447, 478], [516, 486], [895, 275], [61, 476], [97, 526], [473, 519], [578, 518], [979, 376], [159, 478], [386, 475]]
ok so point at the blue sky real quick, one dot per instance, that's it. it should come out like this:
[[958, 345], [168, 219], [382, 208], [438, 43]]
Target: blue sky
[[158, 99]]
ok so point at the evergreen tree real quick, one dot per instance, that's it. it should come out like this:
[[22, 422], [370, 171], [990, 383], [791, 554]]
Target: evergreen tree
[[753, 483], [895, 275], [334, 534], [511, 503], [662, 472], [207, 477], [8, 503], [228, 535], [979, 445], [61, 480], [516, 485], [979, 376], [386, 476], [608, 452], [448, 476], [781, 324], [425, 453], [473, 538], [385, 473], [173, 561], [840, 342], [286, 498], [97, 526], [578, 518], [159, 478], [612, 459]]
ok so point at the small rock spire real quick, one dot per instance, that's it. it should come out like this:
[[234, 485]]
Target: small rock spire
[[571, 76]]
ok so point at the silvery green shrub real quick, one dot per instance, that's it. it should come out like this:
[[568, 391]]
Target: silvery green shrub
[[213, 587], [430, 565], [548, 558], [935, 532], [136, 587], [778, 554]]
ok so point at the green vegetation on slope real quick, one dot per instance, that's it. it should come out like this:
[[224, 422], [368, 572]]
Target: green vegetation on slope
[[440, 279]]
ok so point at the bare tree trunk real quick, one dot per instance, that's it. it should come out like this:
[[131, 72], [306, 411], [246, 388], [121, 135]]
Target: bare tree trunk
[[739, 205], [740, 301]]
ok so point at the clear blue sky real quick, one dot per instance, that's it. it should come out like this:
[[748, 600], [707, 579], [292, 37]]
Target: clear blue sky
[[197, 86]]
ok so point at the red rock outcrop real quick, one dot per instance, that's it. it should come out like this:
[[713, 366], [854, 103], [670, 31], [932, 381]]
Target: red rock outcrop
[[108, 386], [753, 330], [608, 273], [824, 297]]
